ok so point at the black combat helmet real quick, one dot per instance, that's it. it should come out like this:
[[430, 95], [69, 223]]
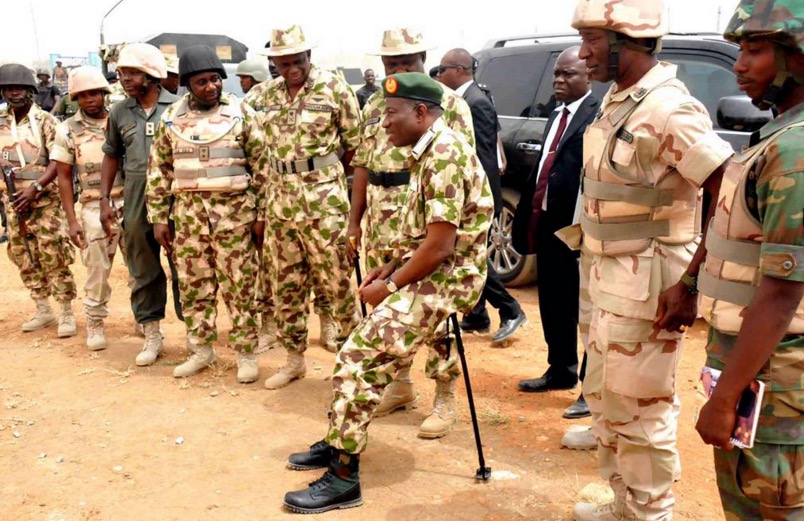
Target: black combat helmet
[[198, 58], [12, 74]]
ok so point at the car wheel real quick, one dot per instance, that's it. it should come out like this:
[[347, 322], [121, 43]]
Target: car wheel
[[514, 269]]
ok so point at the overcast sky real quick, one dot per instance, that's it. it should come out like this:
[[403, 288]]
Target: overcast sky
[[32, 29]]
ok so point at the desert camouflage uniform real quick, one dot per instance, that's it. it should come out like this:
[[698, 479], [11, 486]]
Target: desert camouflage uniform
[[307, 211], [118, 94], [212, 244], [376, 154], [447, 184], [766, 481], [49, 274], [665, 144], [100, 251]]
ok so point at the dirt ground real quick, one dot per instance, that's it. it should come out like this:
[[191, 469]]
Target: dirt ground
[[90, 436]]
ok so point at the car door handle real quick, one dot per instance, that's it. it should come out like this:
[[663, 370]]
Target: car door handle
[[529, 148]]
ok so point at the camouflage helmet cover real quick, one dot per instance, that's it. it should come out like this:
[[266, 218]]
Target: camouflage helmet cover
[[86, 78], [143, 57], [633, 18], [779, 20], [14, 74]]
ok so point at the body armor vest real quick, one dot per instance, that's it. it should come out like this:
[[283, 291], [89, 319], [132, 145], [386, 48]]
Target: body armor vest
[[88, 141], [23, 147]]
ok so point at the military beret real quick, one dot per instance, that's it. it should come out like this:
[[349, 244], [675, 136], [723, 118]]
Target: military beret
[[413, 85]]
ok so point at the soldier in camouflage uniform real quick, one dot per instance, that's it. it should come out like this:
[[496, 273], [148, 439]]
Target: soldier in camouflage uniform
[[437, 268], [646, 157], [752, 284], [255, 98], [378, 194], [44, 254], [208, 150], [78, 146], [310, 115]]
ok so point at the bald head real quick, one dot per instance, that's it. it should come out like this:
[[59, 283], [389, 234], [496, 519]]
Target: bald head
[[456, 68], [570, 79]]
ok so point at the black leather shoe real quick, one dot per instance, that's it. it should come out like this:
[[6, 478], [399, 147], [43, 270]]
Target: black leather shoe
[[546, 383], [474, 327], [316, 458], [577, 410], [509, 327], [339, 487]]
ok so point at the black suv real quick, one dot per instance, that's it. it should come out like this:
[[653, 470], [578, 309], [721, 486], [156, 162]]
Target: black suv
[[519, 73]]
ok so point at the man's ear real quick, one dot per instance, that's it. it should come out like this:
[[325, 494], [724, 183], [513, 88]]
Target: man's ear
[[421, 111]]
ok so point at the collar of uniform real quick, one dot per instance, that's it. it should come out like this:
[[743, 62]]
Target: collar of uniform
[[33, 113], [659, 73], [80, 117], [226, 99], [421, 146], [794, 115]]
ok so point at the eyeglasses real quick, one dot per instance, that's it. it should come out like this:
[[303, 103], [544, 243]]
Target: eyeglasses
[[441, 69]]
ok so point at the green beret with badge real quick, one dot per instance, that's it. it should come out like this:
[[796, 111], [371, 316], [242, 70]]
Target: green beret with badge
[[413, 85]]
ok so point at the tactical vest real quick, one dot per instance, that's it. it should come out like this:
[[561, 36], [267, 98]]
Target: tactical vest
[[88, 142], [207, 155], [730, 275], [23, 147], [623, 213]]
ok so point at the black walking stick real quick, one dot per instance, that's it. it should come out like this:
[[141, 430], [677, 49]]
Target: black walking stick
[[353, 243], [483, 472]]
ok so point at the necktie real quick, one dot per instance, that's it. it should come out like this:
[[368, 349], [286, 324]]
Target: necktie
[[544, 176]]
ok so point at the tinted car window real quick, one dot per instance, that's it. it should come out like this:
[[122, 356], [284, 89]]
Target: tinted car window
[[513, 80], [707, 81]]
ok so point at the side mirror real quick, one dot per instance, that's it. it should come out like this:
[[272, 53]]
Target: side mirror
[[738, 113]]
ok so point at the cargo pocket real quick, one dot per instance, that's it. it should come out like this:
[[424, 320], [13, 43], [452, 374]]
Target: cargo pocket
[[640, 361]]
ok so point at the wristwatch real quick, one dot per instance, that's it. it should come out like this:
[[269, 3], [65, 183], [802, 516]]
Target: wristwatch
[[38, 186], [691, 283], [389, 283]]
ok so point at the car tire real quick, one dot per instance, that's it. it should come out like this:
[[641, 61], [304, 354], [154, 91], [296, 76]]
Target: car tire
[[514, 269]]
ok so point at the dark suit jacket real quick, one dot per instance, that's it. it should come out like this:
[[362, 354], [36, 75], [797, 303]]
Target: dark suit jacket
[[564, 181], [484, 120]]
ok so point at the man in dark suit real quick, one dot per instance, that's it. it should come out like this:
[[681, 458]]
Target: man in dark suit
[[457, 72], [548, 204]]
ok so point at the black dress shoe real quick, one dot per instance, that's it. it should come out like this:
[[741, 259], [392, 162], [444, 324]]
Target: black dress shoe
[[577, 410], [339, 487], [470, 326], [317, 457], [509, 327], [546, 383]]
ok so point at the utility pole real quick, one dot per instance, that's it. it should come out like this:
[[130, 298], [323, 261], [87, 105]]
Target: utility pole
[[36, 32], [102, 37]]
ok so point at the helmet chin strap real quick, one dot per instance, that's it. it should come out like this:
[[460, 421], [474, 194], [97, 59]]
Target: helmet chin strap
[[781, 84], [616, 41], [27, 100]]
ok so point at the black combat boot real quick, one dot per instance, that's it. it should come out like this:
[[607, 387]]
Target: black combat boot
[[316, 458], [339, 487]]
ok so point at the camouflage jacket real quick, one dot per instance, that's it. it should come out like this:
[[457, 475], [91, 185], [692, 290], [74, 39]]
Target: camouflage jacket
[[774, 196], [322, 119], [447, 185], [36, 143], [223, 210]]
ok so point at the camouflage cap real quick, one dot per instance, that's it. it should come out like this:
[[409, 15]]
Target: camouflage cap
[[778, 20], [285, 42], [144, 57], [633, 18], [400, 42], [413, 85], [86, 78], [172, 62]]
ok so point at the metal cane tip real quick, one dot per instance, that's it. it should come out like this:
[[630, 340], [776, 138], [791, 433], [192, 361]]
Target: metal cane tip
[[483, 474]]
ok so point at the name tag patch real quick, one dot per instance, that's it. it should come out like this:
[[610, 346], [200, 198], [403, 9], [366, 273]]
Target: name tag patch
[[150, 127]]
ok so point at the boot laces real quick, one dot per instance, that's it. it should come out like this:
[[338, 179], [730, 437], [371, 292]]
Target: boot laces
[[322, 482]]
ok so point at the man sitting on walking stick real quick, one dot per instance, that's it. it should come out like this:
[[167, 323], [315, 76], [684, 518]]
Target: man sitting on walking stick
[[438, 268]]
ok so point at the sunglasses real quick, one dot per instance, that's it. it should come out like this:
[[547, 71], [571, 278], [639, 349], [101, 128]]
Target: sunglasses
[[441, 69]]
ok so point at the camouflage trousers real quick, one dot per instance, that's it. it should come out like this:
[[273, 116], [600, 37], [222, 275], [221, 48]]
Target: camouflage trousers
[[382, 221], [305, 256], [630, 388], [98, 256], [385, 342], [765, 482], [584, 299], [207, 262], [49, 273]]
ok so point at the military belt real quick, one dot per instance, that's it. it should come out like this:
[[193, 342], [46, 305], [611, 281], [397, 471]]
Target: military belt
[[625, 231], [200, 173], [27, 175], [389, 179], [205, 153], [303, 165], [13, 157], [739, 293], [747, 253], [651, 197]]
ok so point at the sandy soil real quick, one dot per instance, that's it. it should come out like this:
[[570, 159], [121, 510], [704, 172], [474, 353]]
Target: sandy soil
[[89, 436]]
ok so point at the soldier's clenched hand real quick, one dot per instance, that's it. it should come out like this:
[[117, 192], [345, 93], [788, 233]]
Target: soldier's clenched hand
[[163, 236], [677, 308], [354, 234], [107, 217], [716, 423], [374, 293], [25, 198], [77, 234]]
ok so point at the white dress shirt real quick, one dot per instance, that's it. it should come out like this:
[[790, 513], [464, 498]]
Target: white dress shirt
[[572, 108]]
